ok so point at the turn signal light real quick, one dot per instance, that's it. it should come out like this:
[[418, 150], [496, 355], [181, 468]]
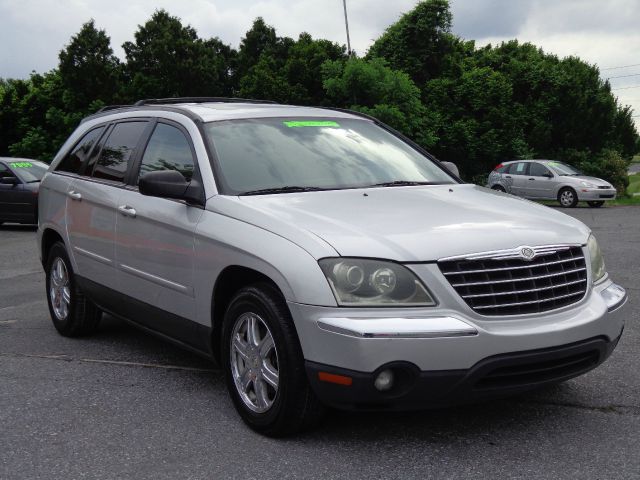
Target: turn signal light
[[333, 378]]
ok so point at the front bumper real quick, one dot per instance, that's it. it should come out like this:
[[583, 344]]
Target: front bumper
[[596, 194], [497, 376], [433, 343]]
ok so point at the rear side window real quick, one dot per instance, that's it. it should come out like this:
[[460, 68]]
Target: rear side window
[[518, 168], [117, 151], [73, 161], [168, 149]]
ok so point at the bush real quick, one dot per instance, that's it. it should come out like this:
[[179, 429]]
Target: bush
[[610, 166]]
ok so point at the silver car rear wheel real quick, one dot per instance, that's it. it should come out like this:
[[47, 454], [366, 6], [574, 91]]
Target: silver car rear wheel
[[59, 289], [254, 362]]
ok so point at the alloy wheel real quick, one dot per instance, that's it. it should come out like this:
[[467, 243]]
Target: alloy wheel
[[59, 289], [566, 198], [254, 362]]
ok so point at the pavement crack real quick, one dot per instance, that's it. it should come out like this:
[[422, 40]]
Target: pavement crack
[[67, 358]]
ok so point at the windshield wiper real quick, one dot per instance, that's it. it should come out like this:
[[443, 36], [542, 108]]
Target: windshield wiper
[[286, 189], [401, 183]]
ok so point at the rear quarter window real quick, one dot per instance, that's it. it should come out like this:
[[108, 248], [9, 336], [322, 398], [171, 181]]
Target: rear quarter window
[[73, 161]]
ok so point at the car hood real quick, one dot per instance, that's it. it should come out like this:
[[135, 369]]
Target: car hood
[[598, 182], [408, 224]]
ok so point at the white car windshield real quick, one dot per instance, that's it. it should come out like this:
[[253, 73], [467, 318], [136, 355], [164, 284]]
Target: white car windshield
[[564, 169], [273, 155]]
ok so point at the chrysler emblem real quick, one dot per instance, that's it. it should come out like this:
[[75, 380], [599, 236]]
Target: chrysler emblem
[[527, 253]]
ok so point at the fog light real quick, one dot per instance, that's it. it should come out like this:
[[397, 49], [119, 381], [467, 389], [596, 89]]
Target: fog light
[[384, 380]]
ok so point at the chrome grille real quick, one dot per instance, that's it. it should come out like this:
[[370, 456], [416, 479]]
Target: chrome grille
[[506, 283]]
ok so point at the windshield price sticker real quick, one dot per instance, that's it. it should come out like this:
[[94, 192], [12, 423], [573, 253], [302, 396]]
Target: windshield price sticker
[[311, 123], [21, 164]]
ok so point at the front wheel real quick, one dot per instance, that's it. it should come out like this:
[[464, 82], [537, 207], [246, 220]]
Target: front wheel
[[72, 313], [595, 204], [264, 366], [567, 197]]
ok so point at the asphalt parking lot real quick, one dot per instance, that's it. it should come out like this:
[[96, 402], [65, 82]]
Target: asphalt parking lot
[[122, 404]]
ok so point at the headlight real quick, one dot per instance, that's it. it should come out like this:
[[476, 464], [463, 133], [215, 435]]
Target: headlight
[[597, 262], [360, 282], [587, 184]]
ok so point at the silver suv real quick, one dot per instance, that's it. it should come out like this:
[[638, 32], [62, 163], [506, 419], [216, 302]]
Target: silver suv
[[320, 257], [550, 180]]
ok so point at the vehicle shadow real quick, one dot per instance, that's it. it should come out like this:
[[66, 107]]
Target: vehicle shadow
[[481, 422]]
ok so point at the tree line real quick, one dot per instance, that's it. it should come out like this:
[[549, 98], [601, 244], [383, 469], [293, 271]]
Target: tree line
[[473, 106]]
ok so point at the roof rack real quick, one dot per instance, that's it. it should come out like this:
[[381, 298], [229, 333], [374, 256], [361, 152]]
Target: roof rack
[[169, 101], [111, 107]]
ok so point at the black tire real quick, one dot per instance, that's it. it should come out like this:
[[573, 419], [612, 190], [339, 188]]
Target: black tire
[[499, 188], [567, 197], [83, 316], [596, 204], [295, 407]]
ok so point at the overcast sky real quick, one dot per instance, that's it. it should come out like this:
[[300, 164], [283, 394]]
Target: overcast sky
[[604, 32]]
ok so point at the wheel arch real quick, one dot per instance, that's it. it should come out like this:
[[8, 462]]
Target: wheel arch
[[231, 279], [50, 237]]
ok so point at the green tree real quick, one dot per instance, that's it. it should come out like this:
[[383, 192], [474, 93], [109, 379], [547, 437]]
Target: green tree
[[371, 87], [88, 68], [11, 118], [421, 43], [287, 71], [168, 59], [477, 124], [260, 39]]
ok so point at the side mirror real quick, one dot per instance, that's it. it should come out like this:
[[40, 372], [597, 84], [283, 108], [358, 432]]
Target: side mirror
[[452, 167], [9, 181], [548, 175], [171, 184]]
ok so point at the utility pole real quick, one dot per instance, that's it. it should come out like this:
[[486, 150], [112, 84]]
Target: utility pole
[[346, 23]]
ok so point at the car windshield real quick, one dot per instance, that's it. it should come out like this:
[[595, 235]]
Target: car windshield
[[28, 171], [279, 155], [564, 169]]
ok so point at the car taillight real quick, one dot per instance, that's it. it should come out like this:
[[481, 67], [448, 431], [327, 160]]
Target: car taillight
[[497, 167]]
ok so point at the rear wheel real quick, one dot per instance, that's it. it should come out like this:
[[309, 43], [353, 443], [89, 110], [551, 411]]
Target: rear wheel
[[499, 188], [567, 197], [264, 366], [72, 313], [595, 204]]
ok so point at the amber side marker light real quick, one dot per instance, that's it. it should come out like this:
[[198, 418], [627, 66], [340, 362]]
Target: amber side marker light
[[332, 378]]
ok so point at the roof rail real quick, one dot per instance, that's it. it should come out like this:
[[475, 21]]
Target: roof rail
[[169, 101], [111, 107]]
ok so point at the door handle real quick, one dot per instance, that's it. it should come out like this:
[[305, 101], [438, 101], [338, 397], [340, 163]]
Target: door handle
[[74, 195], [532, 179], [127, 211], [507, 176]]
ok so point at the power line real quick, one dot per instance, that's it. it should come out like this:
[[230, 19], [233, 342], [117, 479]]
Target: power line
[[626, 88], [624, 76], [623, 66]]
